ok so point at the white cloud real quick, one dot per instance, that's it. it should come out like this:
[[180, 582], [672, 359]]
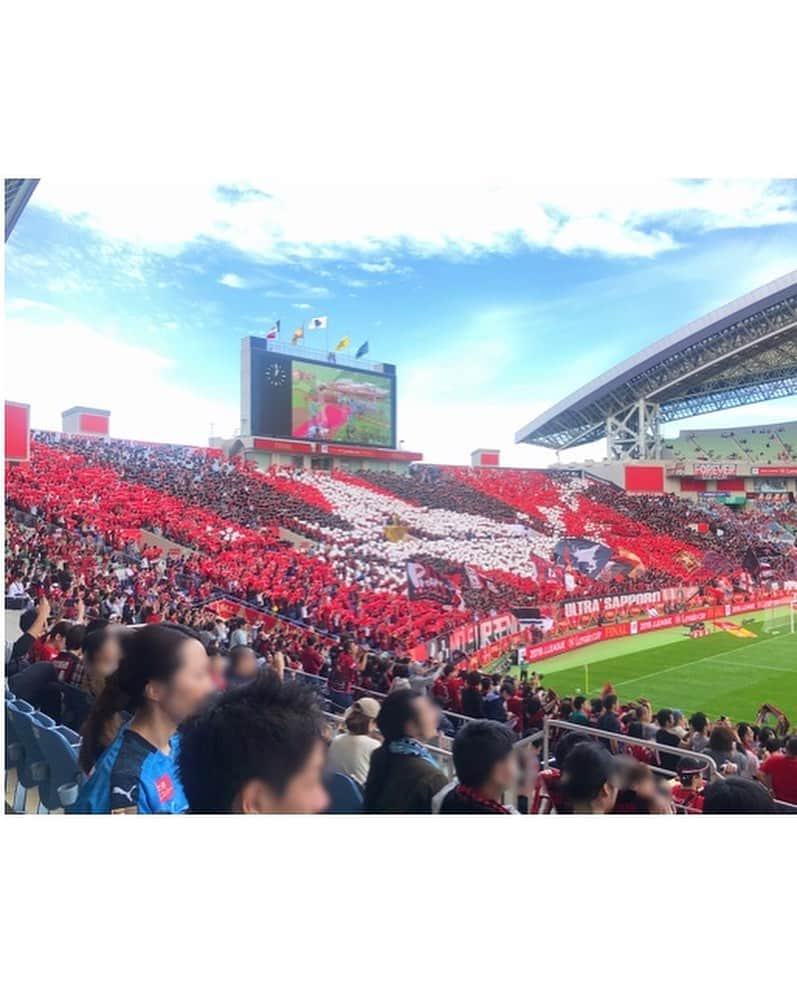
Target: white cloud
[[234, 282], [316, 222], [90, 366], [302, 306]]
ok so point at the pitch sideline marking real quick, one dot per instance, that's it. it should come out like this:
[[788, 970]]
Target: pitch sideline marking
[[704, 658]]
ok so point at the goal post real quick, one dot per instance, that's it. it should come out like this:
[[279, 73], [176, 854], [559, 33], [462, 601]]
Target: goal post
[[782, 619]]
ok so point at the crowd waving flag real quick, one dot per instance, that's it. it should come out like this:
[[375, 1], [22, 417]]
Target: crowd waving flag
[[426, 583], [297, 335], [316, 323], [343, 344], [275, 330], [587, 556], [362, 350]]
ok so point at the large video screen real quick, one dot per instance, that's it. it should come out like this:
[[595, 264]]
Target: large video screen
[[337, 404], [287, 397]]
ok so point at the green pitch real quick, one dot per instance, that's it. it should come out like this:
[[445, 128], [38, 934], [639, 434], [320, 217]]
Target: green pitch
[[718, 674]]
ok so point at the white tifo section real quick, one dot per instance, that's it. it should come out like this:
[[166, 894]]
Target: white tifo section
[[463, 538]]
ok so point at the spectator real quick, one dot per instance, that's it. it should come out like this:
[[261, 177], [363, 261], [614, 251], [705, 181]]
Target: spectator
[[242, 666], [745, 742], [162, 678], [688, 791], [737, 796], [610, 721], [256, 749], [218, 666], [471, 695], [403, 776], [102, 650], [579, 716], [311, 658], [343, 673], [350, 753], [485, 766], [494, 705], [722, 748], [32, 624], [590, 779], [69, 661], [665, 719], [699, 739], [779, 772]]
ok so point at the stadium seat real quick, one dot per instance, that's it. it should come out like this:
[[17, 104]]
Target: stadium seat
[[60, 747], [345, 795], [32, 768], [14, 755]]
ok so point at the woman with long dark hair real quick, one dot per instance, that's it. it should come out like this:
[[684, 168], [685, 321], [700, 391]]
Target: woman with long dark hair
[[162, 678]]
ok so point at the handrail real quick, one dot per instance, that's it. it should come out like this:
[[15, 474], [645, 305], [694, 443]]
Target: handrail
[[450, 714], [550, 722]]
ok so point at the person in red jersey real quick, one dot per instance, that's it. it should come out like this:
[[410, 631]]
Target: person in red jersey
[[688, 790], [342, 677], [455, 682], [779, 772], [311, 658]]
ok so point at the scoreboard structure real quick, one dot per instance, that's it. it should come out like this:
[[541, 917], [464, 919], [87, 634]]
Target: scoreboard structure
[[306, 395], [297, 401]]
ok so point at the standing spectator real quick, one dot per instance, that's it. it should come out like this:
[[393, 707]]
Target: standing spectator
[[350, 753], [590, 779], [163, 677], [256, 749], [665, 718], [242, 666], [494, 705], [722, 748], [311, 658], [32, 624], [485, 766], [610, 721], [745, 742], [471, 695], [403, 776], [578, 716], [69, 662], [342, 675], [779, 772]]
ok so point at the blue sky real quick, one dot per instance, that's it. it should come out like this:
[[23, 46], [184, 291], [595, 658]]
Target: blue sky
[[492, 302]]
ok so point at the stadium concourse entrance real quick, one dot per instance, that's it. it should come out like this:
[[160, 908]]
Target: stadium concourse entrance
[[321, 462]]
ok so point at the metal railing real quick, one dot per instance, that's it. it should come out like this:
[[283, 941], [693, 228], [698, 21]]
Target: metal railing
[[626, 740], [320, 683]]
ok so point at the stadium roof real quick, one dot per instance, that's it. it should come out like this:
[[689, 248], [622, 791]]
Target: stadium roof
[[18, 192], [744, 352]]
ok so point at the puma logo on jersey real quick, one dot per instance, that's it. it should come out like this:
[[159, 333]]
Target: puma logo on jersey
[[127, 794]]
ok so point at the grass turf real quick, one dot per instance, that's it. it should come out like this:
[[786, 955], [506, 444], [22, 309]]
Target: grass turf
[[719, 674]]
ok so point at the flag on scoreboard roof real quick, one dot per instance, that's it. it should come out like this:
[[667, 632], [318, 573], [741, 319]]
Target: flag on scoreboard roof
[[317, 322], [275, 330], [297, 334], [342, 344], [426, 583], [362, 350]]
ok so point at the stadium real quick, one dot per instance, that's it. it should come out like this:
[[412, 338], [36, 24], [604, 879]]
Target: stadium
[[321, 621]]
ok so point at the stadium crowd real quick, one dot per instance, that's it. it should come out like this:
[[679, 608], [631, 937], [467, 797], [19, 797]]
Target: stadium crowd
[[120, 552]]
